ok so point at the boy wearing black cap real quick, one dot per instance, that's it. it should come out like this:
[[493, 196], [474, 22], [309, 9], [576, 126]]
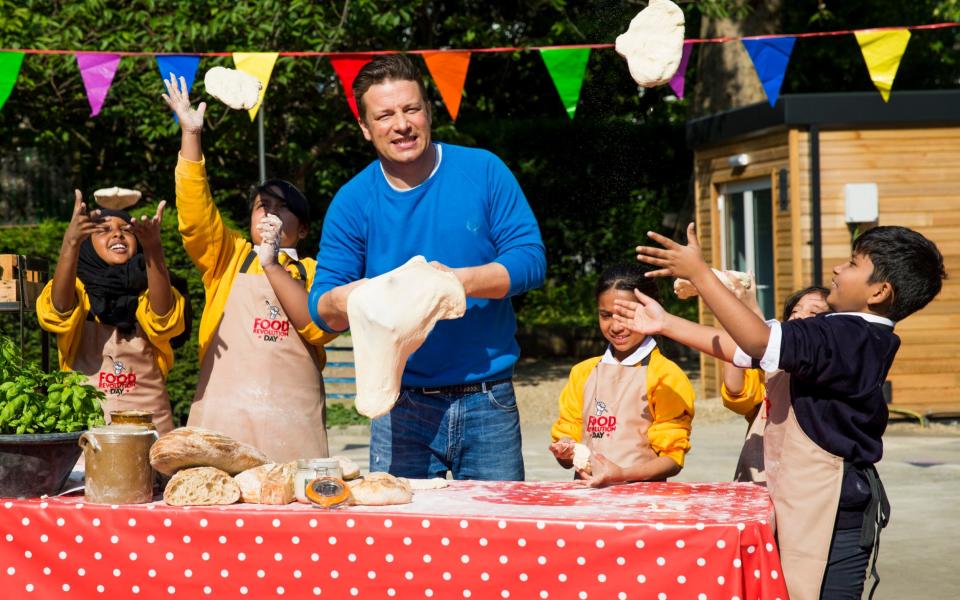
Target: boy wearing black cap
[[261, 355]]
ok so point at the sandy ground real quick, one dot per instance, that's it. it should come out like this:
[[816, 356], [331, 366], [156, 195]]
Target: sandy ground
[[920, 469]]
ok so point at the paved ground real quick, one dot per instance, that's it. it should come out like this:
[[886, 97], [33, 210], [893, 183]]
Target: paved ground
[[921, 470]]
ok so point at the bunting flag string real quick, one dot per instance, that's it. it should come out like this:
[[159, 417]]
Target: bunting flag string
[[567, 68], [882, 51], [449, 72], [260, 65], [10, 63], [97, 71], [678, 81], [347, 68], [770, 58]]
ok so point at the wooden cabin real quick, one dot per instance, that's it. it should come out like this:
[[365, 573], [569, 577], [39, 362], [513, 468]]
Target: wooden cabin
[[776, 193]]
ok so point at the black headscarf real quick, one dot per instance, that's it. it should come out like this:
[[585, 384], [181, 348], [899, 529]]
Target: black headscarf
[[114, 290]]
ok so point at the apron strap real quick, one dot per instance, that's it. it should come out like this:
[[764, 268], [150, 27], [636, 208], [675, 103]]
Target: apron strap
[[248, 261], [252, 255], [875, 518]]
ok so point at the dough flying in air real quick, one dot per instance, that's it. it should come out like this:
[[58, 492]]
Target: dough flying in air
[[653, 44], [116, 198], [684, 289], [236, 89]]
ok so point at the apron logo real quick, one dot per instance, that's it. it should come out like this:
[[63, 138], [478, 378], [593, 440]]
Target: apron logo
[[271, 329], [117, 382], [598, 425]]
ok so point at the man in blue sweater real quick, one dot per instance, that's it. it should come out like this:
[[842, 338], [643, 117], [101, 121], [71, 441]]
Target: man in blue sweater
[[462, 209]]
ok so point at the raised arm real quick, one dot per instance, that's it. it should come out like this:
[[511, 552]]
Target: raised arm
[[82, 225], [159, 290], [675, 260]]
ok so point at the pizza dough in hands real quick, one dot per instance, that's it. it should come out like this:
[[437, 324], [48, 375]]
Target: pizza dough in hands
[[581, 458], [684, 289], [390, 317], [236, 89], [653, 44]]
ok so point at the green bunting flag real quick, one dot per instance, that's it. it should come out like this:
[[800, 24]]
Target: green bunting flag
[[567, 67], [9, 70]]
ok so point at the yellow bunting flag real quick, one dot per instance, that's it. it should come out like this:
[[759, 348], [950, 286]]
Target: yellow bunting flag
[[449, 71], [882, 50], [260, 65]]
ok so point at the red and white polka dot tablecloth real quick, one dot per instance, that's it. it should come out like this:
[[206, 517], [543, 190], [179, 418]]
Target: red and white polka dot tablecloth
[[474, 540]]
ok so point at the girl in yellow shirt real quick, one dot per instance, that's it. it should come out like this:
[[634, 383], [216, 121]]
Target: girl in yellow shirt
[[113, 310], [632, 407]]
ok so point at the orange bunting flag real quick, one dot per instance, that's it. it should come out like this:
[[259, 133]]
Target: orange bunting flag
[[449, 72], [347, 66], [882, 51]]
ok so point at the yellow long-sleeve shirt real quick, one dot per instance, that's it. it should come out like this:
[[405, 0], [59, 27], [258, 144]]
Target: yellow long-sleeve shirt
[[159, 329], [219, 252], [669, 394], [753, 392]]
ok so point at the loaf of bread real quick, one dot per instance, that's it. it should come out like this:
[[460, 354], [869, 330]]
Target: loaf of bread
[[277, 485], [188, 447], [381, 489], [201, 486], [350, 469], [250, 482]]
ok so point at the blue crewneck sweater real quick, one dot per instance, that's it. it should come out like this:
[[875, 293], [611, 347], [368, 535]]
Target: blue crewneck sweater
[[470, 212]]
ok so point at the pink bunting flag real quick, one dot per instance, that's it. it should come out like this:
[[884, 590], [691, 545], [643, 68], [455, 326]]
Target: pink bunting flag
[[97, 71], [678, 81]]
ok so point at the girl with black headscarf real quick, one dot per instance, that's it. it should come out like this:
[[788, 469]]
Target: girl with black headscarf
[[113, 309]]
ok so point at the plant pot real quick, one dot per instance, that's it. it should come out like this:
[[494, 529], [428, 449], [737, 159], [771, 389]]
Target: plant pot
[[35, 464]]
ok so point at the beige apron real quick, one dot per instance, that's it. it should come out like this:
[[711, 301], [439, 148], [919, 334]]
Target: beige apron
[[804, 482], [260, 382], [750, 467], [616, 414], [124, 368]]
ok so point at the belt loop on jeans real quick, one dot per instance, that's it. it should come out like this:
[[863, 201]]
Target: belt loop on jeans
[[463, 388]]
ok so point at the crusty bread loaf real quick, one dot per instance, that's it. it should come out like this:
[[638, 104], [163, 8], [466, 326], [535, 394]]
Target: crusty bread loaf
[[277, 485], [201, 486], [195, 447], [350, 469], [381, 489], [251, 481]]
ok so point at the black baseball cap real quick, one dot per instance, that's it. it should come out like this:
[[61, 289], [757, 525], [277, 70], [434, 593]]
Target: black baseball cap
[[283, 191]]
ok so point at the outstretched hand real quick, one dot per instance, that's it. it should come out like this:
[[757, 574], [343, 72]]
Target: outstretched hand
[[147, 229], [178, 99], [645, 316], [674, 260], [603, 472], [82, 225]]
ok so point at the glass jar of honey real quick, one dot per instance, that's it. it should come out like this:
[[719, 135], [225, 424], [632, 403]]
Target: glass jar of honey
[[327, 488]]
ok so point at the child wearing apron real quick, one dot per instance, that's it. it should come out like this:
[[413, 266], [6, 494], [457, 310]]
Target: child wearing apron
[[261, 356], [744, 390], [632, 407], [113, 310]]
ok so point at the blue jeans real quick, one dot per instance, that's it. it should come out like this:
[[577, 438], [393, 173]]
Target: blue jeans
[[474, 436]]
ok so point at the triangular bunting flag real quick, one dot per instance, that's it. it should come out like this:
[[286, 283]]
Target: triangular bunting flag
[[567, 67], [449, 72], [10, 63], [678, 81], [347, 66], [260, 65], [882, 51], [770, 58], [180, 65], [97, 71]]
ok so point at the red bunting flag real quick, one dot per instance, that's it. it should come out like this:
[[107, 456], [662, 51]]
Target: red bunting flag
[[449, 72], [347, 66]]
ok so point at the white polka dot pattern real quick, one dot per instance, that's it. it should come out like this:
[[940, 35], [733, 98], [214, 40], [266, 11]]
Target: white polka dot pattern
[[487, 540]]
